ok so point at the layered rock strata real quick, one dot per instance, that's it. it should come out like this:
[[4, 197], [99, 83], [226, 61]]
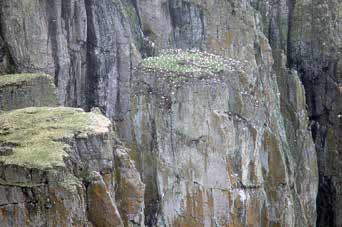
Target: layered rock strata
[[91, 48], [64, 167], [25, 90], [212, 145]]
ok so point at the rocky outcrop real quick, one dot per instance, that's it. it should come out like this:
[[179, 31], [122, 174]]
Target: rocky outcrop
[[58, 168], [316, 50], [130, 189], [309, 33], [91, 48], [235, 29], [86, 45], [25, 90], [212, 146]]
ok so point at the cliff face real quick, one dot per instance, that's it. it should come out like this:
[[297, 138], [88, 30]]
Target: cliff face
[[321, 71], [215, 149], [86, 45], [309, 32], [59, 170], [235, 29], [61, 166]]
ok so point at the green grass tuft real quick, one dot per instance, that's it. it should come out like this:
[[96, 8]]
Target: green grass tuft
[[37, 137]]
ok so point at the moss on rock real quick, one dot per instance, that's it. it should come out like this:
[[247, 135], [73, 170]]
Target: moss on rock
[[37, 137], [19, 79], [24, 90]]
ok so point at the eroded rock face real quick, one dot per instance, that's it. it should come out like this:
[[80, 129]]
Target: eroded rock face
[[25, 90], [86, 45], [309, 33], [235, 29], [89, 46], [212, 145], [58, 169], [319, 29]]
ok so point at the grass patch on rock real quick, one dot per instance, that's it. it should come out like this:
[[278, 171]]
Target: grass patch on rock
[[37, 137], [18, 79]]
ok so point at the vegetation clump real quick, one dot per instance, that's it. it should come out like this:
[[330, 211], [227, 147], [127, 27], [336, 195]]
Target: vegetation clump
[[162, 76], [18, 79], [37, 137], [186, 62]]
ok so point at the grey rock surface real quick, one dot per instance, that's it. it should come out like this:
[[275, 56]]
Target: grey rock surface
[[213, 147], [25, 90], [86, 45], [309, 33], [92, 47], [316, 53], [58, 169]]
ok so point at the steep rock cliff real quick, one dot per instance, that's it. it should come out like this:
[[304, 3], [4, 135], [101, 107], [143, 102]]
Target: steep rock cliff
[[63, 167], [309, 33], [316, 52], [86, 45], [234, 29], [212, 145], [91, 47]]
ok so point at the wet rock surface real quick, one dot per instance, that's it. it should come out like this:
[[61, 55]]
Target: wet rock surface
[[321, 72]]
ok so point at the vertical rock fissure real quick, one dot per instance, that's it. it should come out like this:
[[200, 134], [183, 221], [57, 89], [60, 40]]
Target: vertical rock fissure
[[92, 79], [291, 5], [90, 48], [152, 210], [308, 53], [10, 66], [52, 34]]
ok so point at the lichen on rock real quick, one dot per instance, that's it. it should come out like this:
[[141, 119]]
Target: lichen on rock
[[20, 79], [216, 137], [25, 90]]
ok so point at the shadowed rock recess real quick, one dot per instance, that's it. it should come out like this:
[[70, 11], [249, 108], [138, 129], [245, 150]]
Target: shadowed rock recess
[[230, 109]]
